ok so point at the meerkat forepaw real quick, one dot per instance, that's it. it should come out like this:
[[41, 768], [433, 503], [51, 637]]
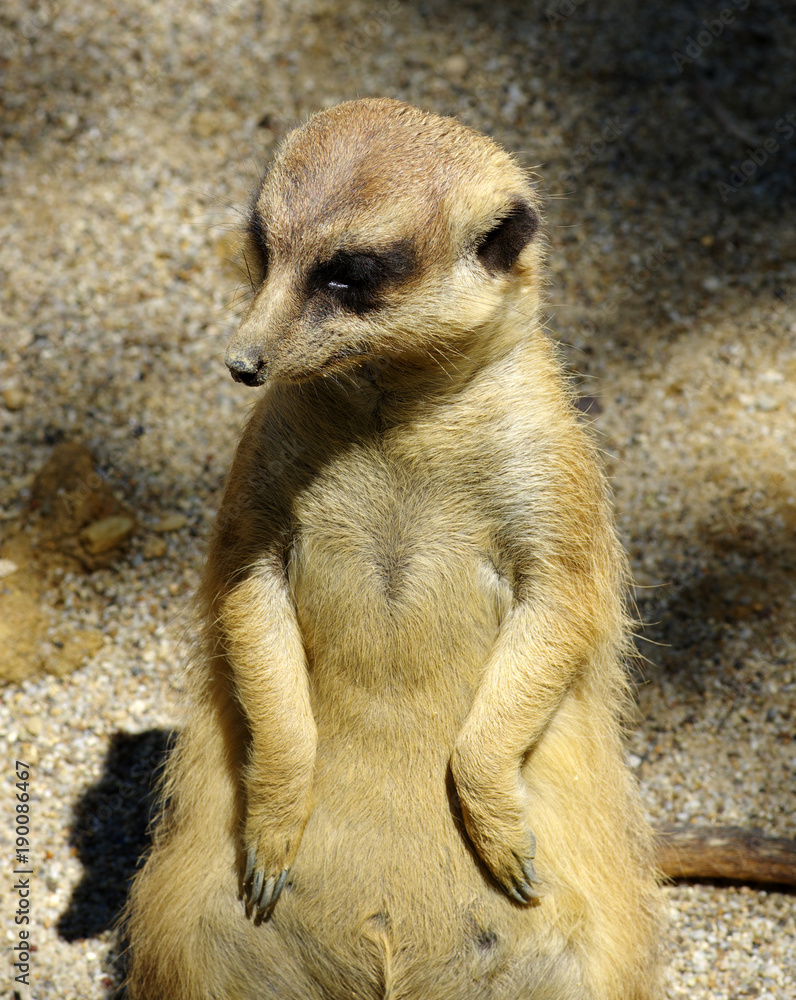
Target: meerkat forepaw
[[261, 893], [269, 853], [514, 870], [508, 855], [496, 825]]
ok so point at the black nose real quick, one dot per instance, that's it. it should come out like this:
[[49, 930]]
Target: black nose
[[246, 368]]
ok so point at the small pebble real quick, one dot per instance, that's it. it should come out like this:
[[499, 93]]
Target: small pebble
[[154, 548], [14, 399], [456, 65], [7, 567], [171, 522], [34, 725]]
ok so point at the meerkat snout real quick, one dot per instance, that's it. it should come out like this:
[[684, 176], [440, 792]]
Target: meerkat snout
[[245, 367]]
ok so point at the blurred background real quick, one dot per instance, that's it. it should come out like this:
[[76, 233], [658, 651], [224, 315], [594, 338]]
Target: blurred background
[[663, 138]]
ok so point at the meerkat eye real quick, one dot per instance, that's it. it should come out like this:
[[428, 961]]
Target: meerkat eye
[[349, 271], [357, 278], [255, 249], [499, 248]]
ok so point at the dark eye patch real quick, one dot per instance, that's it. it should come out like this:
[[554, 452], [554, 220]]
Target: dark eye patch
[[357, 278], [501, 246]]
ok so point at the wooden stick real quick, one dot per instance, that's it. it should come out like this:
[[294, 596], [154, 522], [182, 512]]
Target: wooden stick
[[725, 852]]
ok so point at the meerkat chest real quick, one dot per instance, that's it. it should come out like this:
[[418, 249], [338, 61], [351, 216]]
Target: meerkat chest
[[394, 567]]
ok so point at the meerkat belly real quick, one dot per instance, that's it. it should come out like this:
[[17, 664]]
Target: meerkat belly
[[399, 602]]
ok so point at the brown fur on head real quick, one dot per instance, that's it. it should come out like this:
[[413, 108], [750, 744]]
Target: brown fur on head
[[382, 250]]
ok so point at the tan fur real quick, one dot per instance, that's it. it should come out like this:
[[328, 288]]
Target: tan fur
[[413, 618]]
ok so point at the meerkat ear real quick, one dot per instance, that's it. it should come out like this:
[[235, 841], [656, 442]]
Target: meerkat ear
[[501, 246]]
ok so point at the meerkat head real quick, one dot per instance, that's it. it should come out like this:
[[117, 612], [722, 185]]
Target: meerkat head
[[385, 234]]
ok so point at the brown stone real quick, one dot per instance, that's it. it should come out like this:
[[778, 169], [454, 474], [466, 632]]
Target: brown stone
[[109, 533], [74, 512]]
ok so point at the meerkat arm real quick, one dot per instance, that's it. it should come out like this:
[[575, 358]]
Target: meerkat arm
[[538, 651], [266, 655]]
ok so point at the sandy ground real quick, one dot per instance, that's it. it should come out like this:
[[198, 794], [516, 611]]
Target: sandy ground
[[665, 141]]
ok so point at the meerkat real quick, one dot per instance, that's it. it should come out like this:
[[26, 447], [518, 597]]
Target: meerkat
[[403, 772]]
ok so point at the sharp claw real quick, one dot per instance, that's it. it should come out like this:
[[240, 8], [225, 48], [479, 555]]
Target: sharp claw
[[250, 857], [257, 886], [524, 893], [280, 885], [271, 892], [530, 872], [531, 880], [268, 892]]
